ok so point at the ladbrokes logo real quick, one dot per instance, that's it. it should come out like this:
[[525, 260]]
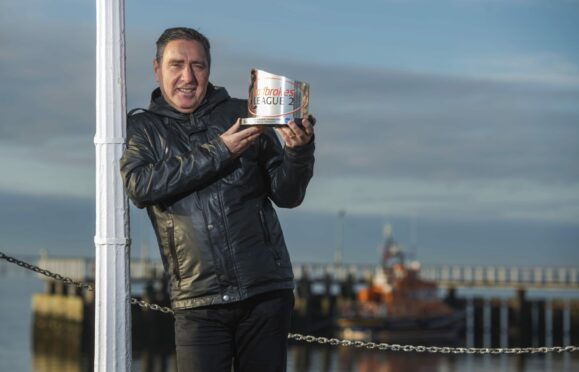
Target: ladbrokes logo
[[273, 96]]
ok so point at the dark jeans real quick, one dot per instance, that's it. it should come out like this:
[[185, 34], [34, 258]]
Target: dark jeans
[[250, 334]]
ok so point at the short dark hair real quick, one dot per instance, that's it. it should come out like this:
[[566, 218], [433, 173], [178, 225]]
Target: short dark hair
[[182, 33]]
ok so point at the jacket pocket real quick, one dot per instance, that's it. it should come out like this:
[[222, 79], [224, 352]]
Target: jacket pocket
[[173, 252], [267, 236]]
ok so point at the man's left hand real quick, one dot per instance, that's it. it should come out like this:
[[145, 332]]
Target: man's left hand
[[294, 135]]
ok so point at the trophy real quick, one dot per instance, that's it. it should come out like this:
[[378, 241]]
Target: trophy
[[275, 100]]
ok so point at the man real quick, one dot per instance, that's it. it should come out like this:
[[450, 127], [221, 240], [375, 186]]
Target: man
[[208, 185]]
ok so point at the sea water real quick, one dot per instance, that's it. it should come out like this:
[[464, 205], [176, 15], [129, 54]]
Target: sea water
[[16, 351]]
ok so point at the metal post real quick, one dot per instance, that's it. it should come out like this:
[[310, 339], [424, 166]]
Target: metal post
[[112, 280], [549, 322], [470, 322], [487, 325], [567, 323], [504, 323], [535, 323]]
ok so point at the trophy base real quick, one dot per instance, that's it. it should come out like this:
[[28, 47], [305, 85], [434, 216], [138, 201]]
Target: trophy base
[[264, 121], [274, 122]]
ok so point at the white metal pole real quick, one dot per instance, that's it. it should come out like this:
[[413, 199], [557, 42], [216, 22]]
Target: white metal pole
[[112, 318]]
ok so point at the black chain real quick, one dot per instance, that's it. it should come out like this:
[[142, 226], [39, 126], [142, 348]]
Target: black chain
[[69, 281], [325, 340], [431, 349]]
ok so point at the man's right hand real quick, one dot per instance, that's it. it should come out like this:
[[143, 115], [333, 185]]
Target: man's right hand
[[237, 141]]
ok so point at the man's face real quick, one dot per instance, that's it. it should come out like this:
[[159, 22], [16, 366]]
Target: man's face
[[183, 74]]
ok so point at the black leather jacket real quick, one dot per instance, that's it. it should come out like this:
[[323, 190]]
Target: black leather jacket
[[218, 233]]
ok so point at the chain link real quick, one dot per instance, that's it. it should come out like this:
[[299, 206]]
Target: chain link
[[69, 281], [324, 340], [431, 349]]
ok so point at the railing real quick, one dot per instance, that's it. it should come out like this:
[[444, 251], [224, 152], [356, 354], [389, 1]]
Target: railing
[[502, 276], [444, 275], [83, 269], [458, 275]]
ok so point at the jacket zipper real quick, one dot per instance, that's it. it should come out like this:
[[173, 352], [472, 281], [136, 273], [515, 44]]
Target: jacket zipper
[[264, 228], [173, 251], [227, 233], [267, 238]]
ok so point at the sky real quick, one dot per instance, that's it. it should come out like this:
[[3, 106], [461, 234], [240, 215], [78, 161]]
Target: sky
[[455, 121]]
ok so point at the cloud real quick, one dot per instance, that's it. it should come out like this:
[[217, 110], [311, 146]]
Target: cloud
[[428, 126], [544, 68], [47, 170], [382, 132], [60, 224], [505, 199], [48, 80], [436, 127]]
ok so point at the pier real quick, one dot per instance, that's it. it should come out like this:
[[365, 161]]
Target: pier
[[321, 288], [446, 276]]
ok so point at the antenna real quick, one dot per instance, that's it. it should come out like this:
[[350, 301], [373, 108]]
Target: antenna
[[340, 236], [414, 236]]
